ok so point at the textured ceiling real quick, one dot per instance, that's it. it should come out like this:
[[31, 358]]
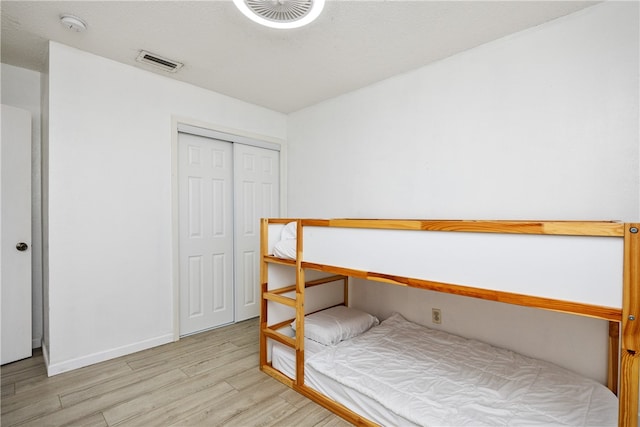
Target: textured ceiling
[[351, 45]]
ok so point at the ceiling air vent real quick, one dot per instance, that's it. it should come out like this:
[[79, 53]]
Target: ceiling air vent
[[159, 62]]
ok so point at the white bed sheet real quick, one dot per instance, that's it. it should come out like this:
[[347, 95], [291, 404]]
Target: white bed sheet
[[283, 358], [408, 374]]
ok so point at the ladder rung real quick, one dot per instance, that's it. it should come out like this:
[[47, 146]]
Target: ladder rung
[[279, 299], [309, 284], [286, 340], [276, 260]]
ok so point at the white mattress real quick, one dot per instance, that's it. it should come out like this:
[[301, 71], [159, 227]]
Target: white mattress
[[283, 358], [400, 373]]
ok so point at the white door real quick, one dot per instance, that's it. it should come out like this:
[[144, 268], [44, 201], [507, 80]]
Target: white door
[[15, 233], [205, 179], [257, 182]]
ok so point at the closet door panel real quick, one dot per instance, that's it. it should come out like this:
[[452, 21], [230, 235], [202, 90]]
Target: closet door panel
[[205, 179], [257, 180]]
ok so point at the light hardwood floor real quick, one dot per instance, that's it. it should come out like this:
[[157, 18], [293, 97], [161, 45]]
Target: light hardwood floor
[[208, 379]]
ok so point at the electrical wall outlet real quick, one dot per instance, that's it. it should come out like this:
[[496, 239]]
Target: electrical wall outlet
[[436, 316]]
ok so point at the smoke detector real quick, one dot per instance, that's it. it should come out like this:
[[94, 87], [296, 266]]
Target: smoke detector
[[73, 23], [282, 14]]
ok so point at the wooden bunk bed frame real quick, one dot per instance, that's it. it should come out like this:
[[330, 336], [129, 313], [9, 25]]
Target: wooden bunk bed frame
[[624, 322]]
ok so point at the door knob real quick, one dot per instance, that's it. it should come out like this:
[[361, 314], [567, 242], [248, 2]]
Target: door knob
[[22, 246]]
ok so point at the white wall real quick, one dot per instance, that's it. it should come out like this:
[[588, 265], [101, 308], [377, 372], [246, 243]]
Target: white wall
[[542, 124], [109, 200], [21, 88]]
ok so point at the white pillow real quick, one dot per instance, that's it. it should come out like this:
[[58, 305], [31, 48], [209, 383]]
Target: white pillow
[[286, 249], [287, 246], [289, 231], [336, 324]]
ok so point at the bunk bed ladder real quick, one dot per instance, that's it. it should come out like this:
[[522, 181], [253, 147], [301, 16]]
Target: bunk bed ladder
[[278, 296]]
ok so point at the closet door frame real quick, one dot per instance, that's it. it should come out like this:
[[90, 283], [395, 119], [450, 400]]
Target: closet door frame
[[182, 124]]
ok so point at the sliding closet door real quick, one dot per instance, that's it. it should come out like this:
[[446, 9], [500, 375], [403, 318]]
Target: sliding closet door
[[205, 179], [257, 195]]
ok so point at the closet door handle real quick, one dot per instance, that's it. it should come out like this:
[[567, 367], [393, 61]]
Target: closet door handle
[[22, 246]]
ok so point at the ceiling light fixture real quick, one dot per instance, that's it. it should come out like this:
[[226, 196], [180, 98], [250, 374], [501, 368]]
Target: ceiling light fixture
[[281, 14], [73, 23]]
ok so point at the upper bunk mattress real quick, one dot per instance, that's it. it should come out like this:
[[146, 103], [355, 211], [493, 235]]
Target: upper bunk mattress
[[434, 378]]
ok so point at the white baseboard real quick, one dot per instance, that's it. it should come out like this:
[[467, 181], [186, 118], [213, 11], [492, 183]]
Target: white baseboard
[[80, 362], [36, 343]]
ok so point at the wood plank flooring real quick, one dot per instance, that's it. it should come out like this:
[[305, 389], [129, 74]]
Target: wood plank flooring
[[207, 379]]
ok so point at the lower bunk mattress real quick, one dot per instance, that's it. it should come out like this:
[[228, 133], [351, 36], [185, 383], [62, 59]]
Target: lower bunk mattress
[[401, 373]]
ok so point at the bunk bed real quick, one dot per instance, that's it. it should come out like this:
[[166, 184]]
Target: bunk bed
[[583, 268]]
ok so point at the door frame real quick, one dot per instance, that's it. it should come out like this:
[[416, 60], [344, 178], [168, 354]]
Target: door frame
[[196, 127]]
